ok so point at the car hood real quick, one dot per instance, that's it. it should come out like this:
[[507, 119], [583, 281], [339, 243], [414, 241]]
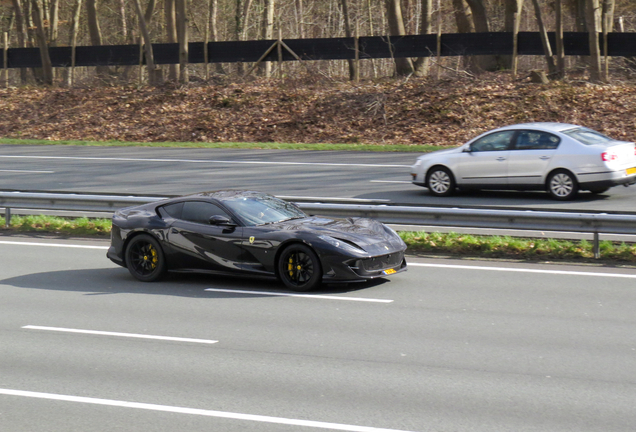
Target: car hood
[[441, 152], [368, 234]]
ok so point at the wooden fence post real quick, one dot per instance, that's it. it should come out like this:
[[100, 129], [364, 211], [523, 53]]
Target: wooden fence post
[[5, 59]]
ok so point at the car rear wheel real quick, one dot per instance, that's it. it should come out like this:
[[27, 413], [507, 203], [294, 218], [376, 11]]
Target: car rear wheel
[[299, 268], [145, 259], [440, 182], [562, 185]]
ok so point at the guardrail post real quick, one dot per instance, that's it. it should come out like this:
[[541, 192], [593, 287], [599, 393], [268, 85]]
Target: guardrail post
[[597, 246], [7, 217]]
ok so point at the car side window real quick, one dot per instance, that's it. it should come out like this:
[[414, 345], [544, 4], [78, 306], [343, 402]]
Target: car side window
[[172, 210], [497, 141], [201, 211], [535, 140]]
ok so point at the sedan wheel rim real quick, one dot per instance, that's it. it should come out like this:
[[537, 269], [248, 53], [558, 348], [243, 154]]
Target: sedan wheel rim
[[561, 185], [440, 181], [300, 268], [144, 258]]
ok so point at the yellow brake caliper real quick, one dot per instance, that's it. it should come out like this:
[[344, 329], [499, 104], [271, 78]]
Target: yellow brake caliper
[[153, 252], [290, 267]]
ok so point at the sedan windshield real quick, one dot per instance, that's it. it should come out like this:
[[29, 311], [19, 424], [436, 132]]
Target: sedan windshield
[[263, 209], [587, 136]]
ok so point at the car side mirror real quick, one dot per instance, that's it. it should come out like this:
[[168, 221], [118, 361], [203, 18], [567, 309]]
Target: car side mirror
[[467, 150], [223, 221]]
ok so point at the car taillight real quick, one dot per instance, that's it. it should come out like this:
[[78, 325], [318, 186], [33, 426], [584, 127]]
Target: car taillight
[[609, 156]]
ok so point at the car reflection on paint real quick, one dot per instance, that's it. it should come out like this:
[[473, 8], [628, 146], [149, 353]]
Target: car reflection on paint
[[251, 233], [557, 157]]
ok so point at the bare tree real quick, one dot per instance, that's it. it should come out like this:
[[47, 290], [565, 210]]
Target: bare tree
[[171, 34], [559, 39], [480, 20], [403, 66], [268, 30], [349, 34], [422, 64], [593, 21], [547, 50], [511, 8], [20, 25], [150, 58], [47, 68], [182, 35], [95, 33]]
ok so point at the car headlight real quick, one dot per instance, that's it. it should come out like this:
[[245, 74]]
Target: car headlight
[[342, 244], [418, 163]]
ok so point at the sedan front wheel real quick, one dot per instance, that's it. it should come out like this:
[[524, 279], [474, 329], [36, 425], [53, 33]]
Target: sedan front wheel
[[440, 182]]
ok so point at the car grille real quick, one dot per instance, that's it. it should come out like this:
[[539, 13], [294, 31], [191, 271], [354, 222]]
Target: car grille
[[382, 262]]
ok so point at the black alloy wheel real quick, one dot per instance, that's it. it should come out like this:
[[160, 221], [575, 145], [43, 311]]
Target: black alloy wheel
[[440, 181], [144, 258], [562, 185], [299, 268]]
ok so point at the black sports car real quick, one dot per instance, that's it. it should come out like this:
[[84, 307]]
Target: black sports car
[[243, 232]]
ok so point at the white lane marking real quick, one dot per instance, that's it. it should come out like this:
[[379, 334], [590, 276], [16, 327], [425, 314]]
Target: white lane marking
[[27, 171], [317, 296], [389, 181], [195, 411], [522, 270], [129, 335], [203, 161], [53, 245]]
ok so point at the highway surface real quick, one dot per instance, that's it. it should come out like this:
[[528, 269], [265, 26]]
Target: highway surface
[[450, 345], [159, 171]]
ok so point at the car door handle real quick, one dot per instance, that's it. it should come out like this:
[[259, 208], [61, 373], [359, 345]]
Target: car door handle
[[175, 231], [544, 157], [501, 158]]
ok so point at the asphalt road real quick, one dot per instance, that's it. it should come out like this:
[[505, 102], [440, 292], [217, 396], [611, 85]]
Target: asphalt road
[[376, 176], [447, 346]]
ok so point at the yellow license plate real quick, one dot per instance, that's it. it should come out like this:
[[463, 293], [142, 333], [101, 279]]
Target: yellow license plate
[[389, 271], [630, 171]]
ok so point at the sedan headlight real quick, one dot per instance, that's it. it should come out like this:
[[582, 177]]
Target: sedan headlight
[[342, 244]]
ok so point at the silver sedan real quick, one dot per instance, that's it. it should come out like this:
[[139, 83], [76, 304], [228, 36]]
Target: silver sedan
[[557, 157]]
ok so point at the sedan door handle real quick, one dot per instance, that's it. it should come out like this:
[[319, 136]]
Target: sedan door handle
[[501, 158], [544, 157]]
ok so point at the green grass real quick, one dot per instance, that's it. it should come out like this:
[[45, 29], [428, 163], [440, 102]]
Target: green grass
[[267, 146], [424, 243]]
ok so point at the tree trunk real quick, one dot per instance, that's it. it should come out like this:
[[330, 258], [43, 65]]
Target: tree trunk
[[422, 64], [182, 35], [300, 18], [349, 34], [559, 39], [480, 20], [171, 34], [593, 13], [54, 23], [463, 19], [20, 26], [95, 33], [547, 49], [268, 31], [512, 7], [72, 40], [150, 58], [403, 66], [122, 20], [47, 68]]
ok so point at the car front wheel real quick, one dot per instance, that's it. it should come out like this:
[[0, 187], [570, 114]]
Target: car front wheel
[[299, 268], [562, 185], [145, 259], [440, 182]]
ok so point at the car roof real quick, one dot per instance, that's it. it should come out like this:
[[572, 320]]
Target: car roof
[[222, 195], [545, 126]]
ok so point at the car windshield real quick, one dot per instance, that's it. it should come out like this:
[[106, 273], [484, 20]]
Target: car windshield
[[261, 210], [587, 136]]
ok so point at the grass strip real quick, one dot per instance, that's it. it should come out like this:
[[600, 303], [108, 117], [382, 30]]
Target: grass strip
[[420, 242], [231, 145]]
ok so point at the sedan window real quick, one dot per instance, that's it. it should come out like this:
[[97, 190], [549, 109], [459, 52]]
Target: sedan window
[[497, 141], [535, 140], [201, 211], [587, 136]]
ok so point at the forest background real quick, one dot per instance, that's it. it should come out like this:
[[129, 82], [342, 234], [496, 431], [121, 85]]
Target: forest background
[[429, 100]]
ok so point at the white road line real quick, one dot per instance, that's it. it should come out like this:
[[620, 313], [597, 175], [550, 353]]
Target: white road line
[[53, 245], [208, 161], [522, 270], [316, 296], [26, 171], [129, 335], [194, 411], [389, 181]]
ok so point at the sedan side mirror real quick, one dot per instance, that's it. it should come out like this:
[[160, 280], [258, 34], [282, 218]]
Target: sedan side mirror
[[223, 221], [467, 150]]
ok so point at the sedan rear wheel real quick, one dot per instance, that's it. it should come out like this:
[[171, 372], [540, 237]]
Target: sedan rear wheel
[[299, 268], [562, 185], [144, 258], [440, 182]]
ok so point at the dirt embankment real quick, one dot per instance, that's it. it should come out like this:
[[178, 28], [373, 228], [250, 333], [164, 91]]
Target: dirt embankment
[[414, 111]]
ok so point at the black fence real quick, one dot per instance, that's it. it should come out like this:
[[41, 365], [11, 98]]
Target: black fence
[[458, 44]]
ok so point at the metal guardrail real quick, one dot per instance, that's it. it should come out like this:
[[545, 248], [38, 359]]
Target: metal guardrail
[[593, 223]]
